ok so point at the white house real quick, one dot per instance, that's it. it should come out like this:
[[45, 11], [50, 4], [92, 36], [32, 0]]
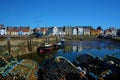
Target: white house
[[26, 31], [80, 30], [2, 31], [68, 30], [118, 32], [74, 31], [113, 32], [61, 32], [86, 31], [53, 31]]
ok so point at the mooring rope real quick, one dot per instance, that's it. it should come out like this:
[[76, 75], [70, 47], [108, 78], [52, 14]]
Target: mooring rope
[[77, 69]]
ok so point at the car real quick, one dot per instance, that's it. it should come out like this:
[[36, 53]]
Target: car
[[38, 34]]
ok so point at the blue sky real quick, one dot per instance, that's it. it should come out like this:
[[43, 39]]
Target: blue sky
[[34, 13]]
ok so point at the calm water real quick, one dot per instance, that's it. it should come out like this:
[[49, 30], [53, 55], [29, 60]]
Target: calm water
[[72, 49], [100, 48]]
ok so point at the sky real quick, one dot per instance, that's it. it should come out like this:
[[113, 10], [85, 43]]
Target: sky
[[45, 13]]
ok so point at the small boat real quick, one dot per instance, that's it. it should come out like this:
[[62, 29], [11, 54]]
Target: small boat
[[58, 45], [44, 48], [62, 41]]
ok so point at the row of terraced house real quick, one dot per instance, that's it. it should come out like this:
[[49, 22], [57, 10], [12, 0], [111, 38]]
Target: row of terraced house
[[15, 30], [69, 30]]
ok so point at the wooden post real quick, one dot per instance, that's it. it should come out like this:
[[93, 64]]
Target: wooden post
[[9, 46], [29, 43]]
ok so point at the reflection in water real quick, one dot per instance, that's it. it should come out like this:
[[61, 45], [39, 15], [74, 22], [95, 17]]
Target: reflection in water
[[74, 48], [67, 49], [98, 48], [80, 48]]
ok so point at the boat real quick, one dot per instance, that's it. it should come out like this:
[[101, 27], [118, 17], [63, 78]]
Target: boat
[[58, 45], [62, 41], [44, 48]]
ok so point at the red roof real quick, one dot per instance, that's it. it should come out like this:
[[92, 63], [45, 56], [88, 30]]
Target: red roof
[[18, 29]]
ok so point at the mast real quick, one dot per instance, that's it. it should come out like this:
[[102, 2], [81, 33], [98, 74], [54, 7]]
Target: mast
[[46, 36]]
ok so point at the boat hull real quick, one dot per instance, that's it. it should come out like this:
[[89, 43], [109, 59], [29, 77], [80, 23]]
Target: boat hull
[[44, 49]]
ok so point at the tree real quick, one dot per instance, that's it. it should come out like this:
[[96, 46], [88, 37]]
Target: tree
[[99, 28], [34, 30], [91, 28]]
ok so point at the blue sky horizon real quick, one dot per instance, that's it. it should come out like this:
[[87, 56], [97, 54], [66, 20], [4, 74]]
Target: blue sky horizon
[[45, 13]]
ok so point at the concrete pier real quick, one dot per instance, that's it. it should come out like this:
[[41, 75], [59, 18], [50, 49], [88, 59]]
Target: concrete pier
[[116, 38]]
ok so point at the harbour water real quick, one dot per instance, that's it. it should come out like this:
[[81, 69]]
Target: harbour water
[[72, 49], [49, 65], [97, 59], [100, 48]]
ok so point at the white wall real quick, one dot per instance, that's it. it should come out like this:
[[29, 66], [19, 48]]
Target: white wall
[[74, 31], [55, 31], [80, 31], [2, 31]]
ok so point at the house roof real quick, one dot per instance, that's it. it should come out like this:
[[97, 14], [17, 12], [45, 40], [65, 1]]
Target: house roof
[[26, 30], [1, 25], [95, 31], [15, 29]]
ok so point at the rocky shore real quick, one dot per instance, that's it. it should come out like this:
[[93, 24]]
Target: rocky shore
[[88, 67]]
